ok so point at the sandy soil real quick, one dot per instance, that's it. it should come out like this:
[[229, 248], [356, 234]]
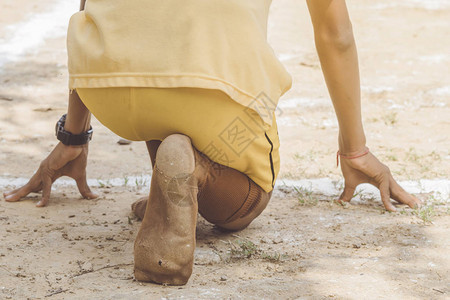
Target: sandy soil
[[304, 245]]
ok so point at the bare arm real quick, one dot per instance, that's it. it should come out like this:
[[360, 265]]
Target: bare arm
[[336, 48], [78, 116], [338, 56], [63, 160]]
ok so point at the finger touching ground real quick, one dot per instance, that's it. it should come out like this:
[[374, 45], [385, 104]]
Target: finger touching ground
[[347, 194], [17, 194], [7, 193], [84, 189], [386, 196], [401, 196], [46, 191]]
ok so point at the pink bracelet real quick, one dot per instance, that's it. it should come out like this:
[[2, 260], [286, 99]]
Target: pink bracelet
[[350, 157]]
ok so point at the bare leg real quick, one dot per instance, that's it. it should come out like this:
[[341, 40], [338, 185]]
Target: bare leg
[[164, 247], [152, 147], [243, 222], [227, 197]]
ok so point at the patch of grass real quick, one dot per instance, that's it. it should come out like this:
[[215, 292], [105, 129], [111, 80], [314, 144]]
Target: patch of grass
[[426, 213], [405, 172], [425, 161], [425, 168], [403, 212], [367, 197], [437, 199], [390, 118], [358, 194], [125, 180], [103, 184], [140, 182], [392, 157], [243, 249], [435, 156], [246, 249], [305, 196], [435, 205], [273, 257], [412, 156], [298, 156]]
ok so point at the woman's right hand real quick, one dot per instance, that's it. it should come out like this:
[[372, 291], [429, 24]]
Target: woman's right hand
[[62, 161], [368, 169]]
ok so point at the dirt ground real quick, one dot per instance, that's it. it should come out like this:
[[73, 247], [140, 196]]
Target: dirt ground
[[304, 245]]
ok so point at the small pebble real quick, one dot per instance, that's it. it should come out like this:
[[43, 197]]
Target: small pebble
[[277, 241], [87, 267], [123, 142]]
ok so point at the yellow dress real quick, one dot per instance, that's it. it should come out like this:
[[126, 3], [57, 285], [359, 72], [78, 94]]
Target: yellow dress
[[221, 45]]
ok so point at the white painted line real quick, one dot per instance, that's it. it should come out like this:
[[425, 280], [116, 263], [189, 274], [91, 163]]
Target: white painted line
[[440, 188], [442, 91]]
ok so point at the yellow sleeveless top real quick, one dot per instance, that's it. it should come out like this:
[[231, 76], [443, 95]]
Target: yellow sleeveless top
[[212, 44]]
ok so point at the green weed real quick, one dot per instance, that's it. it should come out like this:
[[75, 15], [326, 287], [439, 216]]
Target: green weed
[[411, 155], [101, 184], [305, 196], [246, 249], [243, 249], [390, 118], [140, 182], [426, 213], [392, 158], [273, 256]]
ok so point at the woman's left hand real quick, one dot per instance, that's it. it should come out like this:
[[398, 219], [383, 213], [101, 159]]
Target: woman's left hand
[[62, 161], [368, 169]]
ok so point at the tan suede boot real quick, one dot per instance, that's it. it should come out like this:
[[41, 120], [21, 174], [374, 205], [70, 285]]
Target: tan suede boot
[[164, 247]]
